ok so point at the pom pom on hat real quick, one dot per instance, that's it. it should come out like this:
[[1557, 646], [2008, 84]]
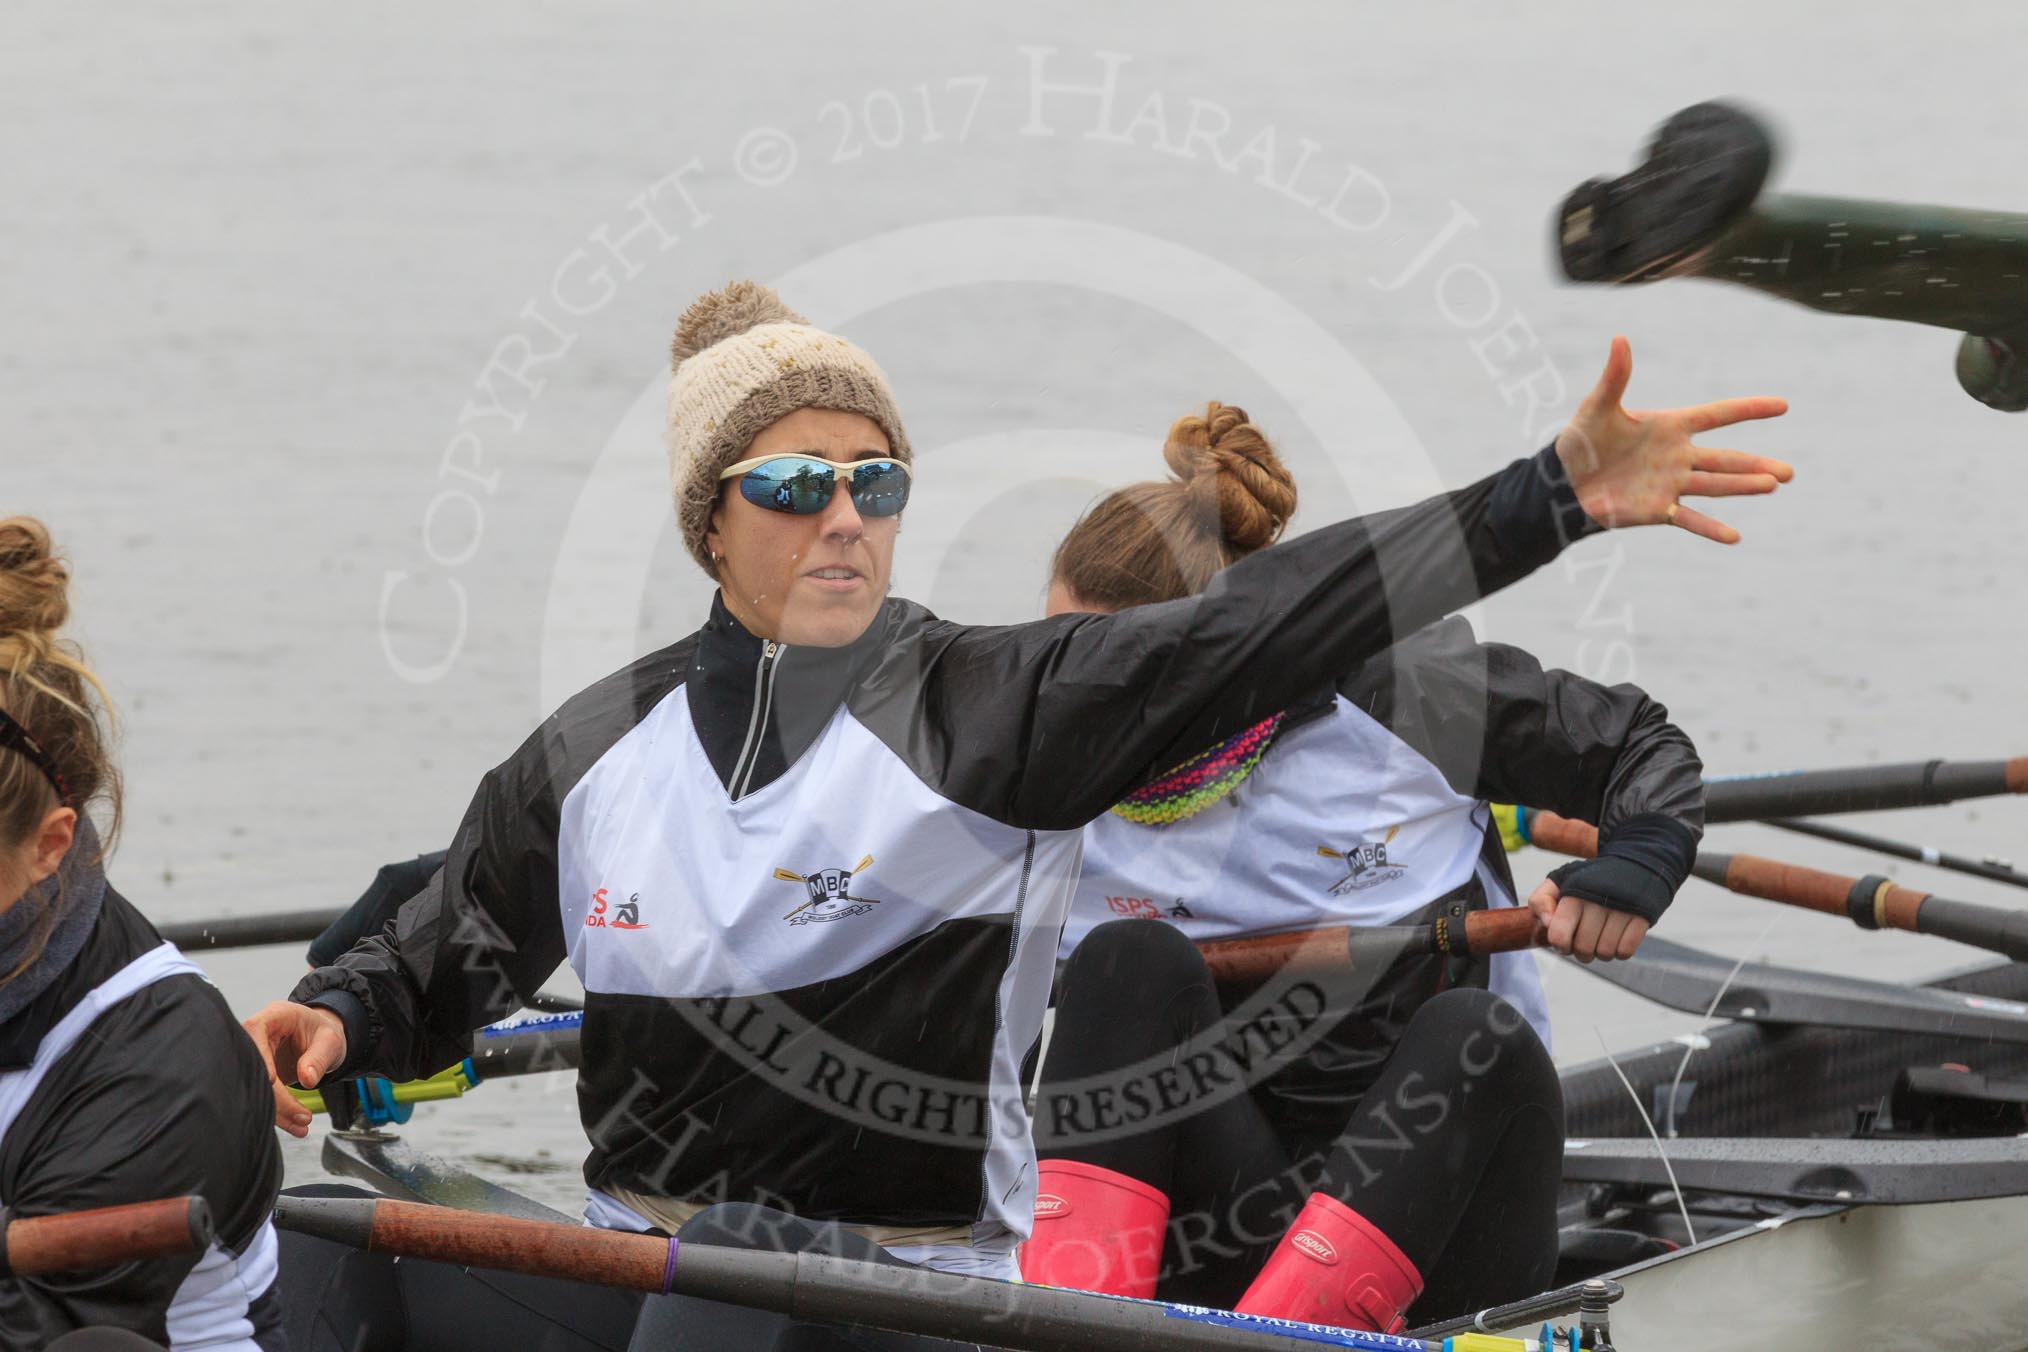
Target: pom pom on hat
[[727, 313]]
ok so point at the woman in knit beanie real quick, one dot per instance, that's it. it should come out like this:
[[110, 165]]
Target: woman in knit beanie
[[753, 379], [810, 861]]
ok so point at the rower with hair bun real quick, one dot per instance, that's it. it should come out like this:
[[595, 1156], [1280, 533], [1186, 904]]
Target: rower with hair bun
[[1365, 1164], [123, 1076]]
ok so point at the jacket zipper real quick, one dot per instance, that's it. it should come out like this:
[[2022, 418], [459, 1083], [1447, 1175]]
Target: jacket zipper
[[763, 702]]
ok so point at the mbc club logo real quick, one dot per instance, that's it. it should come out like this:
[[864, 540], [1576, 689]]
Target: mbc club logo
[[1367, 864], [830, 894], [626, 915]]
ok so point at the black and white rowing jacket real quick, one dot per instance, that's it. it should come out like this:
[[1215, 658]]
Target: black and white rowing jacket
[[815, 895], [129, 1080], [1370, 807]]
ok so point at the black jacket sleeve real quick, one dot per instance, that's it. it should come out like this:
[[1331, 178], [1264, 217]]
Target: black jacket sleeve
[[376, 907], [1053, 723], [485, 933], [1502, 728], [118, 1121], [469, 948]]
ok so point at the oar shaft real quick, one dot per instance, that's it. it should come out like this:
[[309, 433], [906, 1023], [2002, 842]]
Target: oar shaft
[[81, 1241], [550, 1042], [815, 1287], [526, 1046], [1990, 869], [1863, 788], [248, 931], [1987, 927], [1745, 798]]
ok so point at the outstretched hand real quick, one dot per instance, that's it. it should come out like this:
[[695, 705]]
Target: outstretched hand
[[1634, 468]]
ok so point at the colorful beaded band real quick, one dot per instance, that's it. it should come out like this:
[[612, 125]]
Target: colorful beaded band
[[1200, 781]]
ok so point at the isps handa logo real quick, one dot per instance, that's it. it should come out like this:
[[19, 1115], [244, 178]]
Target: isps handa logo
[[626, 915], [830, 894], [1368, 864]]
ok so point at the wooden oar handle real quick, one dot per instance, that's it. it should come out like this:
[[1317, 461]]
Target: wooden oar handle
[[604, 1257], [80, 1241], [475, 1239], [2017, 775], [1562, 835], [1507, 930], [1881, 905], [1257, 957], [1238, 962]]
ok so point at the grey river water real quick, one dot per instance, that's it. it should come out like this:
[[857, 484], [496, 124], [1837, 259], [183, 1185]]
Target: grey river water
[[331, 345]]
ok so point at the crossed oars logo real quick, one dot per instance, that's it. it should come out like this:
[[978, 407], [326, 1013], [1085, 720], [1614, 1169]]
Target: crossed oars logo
[[821, 893], [1359, 864]]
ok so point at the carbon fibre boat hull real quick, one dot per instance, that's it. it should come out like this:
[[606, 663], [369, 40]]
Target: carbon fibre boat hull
[[1790, 1271], [1781, 1254]]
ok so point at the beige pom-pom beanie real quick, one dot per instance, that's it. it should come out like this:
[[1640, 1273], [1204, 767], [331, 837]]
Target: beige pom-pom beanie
[[743, 359]]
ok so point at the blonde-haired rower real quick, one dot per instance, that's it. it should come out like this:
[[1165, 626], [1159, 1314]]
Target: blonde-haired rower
[[123, 1076]]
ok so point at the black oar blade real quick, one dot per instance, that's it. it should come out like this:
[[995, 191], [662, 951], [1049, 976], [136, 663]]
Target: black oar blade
[[1881, 1172], [1690, 979]]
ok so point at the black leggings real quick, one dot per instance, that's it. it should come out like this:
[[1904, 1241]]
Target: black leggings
[[1454, 1152], [686, 1324]]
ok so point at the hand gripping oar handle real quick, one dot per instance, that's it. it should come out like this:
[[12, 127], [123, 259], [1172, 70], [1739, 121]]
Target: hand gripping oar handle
[[520, 1046], [81, 1241], [1871, 902], [817, 1287], [1860, 788], [1258, 957]]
